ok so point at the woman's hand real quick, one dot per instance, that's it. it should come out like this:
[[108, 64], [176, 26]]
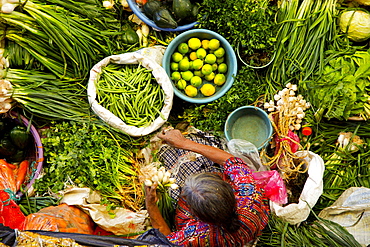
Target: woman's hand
[[173, 137], [156, 218], [151, 195]]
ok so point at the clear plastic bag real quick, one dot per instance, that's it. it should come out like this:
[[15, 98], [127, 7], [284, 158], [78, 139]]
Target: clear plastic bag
[[248, 152]]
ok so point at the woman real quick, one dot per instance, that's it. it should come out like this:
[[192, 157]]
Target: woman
[[212, 210]]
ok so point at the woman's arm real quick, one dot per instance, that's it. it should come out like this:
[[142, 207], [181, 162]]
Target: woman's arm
[[155, 215], [174, 138]]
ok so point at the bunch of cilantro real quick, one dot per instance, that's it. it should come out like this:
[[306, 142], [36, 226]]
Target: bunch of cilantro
[[248, 22], [87, 155]]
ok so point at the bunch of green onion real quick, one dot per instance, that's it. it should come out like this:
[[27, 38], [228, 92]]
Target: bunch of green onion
[[50, 37], [46, 96], [306, 29]]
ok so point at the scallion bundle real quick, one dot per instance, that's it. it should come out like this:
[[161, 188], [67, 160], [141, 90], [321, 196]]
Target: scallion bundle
[[45, 95], [305, 31]]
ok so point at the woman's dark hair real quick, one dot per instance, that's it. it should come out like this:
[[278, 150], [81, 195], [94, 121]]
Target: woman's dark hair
[[212, 200]]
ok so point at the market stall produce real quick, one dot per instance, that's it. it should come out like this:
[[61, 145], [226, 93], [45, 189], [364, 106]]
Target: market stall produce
[[313, 81]]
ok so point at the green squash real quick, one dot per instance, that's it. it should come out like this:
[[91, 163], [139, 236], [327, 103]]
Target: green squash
[[20, 136], [150, 7], [130, 36], [164, 19], [182, 9], [7, 148]]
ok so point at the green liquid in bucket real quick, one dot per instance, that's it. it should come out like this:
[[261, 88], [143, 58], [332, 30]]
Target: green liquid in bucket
[[251, 128]]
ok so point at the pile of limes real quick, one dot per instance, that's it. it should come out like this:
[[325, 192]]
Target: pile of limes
[[199, 65]]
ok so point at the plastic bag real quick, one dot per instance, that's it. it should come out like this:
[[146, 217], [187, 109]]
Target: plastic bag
[[61, 218], [124, 222], [151, 237], [352, 211], [273, 185], [10, 213], [295, 213], [149, 58], [248, 152]]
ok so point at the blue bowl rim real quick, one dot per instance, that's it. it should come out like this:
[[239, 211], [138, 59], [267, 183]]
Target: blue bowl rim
[[270, 132], [134, 7], [230, 80]]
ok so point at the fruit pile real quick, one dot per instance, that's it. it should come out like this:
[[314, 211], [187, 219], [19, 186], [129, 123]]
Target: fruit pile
[[199, 65]]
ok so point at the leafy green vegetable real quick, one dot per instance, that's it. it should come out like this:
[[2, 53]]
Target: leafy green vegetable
[[343, 89], [90, 155], [250, 22]]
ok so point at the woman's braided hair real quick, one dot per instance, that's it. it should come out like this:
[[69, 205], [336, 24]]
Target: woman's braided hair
[[212, 200]]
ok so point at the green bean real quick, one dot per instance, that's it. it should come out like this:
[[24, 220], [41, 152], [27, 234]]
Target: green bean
[[137, 88]]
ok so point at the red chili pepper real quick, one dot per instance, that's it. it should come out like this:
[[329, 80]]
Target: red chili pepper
[[306, 131], [21, 174]]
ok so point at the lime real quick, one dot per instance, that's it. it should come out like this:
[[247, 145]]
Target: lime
[[205, 43], [219, 52], [193, 55], [220, 60], [181, 84], [208, 89], [176, 57], [184, 64], [175, 76], [183, 48], [214, 67], [194, 43], [201, 53], [174, 66], [191, 65], [219, 79], [207, 69], [198, 73], [222, 68], [210, 58], [214, 44], [210, 77], [196, 81], [191, 91], [197, 64], [187, 75]]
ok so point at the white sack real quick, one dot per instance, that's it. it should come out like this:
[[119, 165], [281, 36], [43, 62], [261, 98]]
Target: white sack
[[151, 59], [352, 211], [295, 213]]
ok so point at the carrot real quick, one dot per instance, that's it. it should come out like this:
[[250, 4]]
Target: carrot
[[21, 174], [7, 176]]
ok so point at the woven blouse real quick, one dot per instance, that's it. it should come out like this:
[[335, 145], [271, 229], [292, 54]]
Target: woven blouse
[[252, 210]]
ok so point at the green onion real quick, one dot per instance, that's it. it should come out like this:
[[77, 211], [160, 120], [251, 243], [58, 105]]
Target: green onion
[[305, 31]]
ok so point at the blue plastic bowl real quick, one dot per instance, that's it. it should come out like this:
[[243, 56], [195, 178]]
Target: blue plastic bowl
[[138, 11], [230, 59], [249, 123]]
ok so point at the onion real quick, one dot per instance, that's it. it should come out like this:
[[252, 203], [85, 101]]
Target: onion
[[8, 8]]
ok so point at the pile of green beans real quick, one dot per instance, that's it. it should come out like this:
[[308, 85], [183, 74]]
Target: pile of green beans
[[131, 93]]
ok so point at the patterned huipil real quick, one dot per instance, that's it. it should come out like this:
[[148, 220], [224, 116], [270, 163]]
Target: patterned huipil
[[252, 210]]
